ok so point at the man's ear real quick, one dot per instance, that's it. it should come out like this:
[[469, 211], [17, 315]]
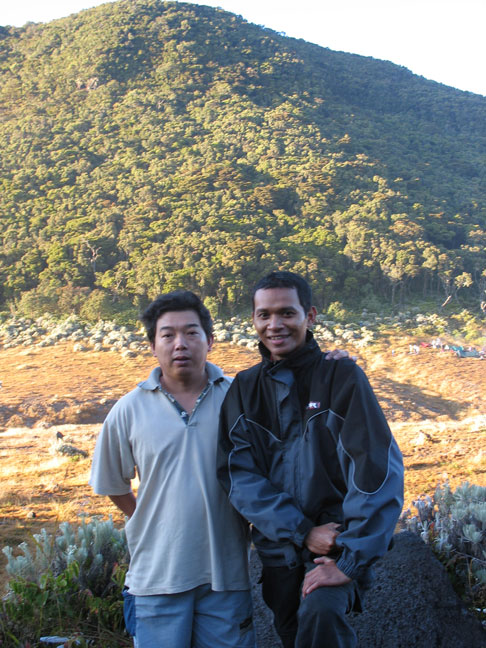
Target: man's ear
[[210, 342], [311, 316], [152, 348]]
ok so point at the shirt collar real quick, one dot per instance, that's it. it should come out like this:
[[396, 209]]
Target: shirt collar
[[215, 375]]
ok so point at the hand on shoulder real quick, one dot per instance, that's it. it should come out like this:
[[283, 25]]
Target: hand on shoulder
[[339, 354]]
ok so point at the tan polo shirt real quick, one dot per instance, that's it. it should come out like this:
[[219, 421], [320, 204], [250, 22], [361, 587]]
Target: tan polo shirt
[[184, 531]]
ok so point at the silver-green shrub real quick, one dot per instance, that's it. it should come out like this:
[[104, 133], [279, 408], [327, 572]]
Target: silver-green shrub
[[96, 546], [69, 584], [454, 524]]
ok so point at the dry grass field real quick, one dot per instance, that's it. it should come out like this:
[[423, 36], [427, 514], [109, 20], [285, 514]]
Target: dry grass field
[[434, 403]]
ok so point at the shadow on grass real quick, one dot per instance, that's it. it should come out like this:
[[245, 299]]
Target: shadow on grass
[[404, 401]]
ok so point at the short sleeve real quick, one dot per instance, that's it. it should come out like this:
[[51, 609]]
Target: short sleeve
[[113, 464]]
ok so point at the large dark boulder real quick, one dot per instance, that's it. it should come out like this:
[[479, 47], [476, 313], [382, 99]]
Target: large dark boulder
[[411, 605]]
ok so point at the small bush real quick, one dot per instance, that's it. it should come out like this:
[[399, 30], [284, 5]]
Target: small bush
[[454, 524], [100, 305], [336, 311], [69, 585]]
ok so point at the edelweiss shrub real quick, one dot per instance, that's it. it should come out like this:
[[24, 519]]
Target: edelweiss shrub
[[70, 585], [454, 524]]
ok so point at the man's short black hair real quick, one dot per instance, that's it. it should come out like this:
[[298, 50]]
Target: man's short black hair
[[178, 300], [284, 279]]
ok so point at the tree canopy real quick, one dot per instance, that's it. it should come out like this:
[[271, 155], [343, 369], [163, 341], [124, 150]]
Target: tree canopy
[[151, 145]]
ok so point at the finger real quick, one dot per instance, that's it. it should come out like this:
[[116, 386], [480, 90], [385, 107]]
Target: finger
[[310, 588], [334, 354], [323, 560], [312, 575], [306, 586]]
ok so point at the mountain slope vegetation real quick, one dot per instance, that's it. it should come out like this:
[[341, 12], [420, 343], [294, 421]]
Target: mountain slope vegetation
[[151, 145]]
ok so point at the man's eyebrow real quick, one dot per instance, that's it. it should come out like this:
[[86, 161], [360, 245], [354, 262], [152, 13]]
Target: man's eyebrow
[[186, 326], [262, 309]]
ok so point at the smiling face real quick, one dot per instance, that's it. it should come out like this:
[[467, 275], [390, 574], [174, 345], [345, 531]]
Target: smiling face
[[181, 346], [280, 320]]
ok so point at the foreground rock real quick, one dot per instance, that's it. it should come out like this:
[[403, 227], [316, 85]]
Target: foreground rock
[[411, 605]]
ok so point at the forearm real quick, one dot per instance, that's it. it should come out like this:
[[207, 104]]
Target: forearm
[[126, 503], [367, 539], [273, 512], [374, 479]]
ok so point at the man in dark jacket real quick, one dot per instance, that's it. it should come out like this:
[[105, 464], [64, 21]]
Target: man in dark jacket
[[308, 459]]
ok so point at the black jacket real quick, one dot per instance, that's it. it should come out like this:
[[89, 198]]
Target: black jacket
[[304, 442]]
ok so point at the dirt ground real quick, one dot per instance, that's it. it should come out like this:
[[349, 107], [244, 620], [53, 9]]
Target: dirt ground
[[433, 401]]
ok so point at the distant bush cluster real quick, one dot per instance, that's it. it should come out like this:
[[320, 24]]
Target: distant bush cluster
[[337, 325], [454, 524]]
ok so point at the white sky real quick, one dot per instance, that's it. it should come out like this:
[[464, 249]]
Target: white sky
[[443, 40]]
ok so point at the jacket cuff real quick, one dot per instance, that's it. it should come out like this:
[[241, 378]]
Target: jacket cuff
[[302, 531], [348, 568]]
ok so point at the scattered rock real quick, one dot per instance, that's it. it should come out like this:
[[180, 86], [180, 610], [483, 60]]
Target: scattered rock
[[70, 450], [108, 336], [419, 439]]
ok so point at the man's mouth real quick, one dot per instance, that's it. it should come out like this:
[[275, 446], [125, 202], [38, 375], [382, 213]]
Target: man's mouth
[[277, 338]]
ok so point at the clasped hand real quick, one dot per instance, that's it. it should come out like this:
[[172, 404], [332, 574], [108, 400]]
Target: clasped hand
[[322, 540]]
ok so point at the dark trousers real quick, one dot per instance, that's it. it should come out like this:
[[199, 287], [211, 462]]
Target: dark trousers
[[319, 620]]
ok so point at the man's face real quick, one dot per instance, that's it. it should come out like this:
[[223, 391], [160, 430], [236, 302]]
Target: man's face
[[181, 345], [280, 320]]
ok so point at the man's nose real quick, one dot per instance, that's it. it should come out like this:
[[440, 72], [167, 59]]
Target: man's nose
[[180, 341], [275, 321]]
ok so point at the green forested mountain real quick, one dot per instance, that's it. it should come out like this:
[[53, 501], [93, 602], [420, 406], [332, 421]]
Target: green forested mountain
[[149, 145]]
